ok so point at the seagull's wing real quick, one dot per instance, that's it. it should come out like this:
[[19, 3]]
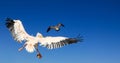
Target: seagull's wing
[[57, 42], [60, 24], [48, 29], [17, 30]]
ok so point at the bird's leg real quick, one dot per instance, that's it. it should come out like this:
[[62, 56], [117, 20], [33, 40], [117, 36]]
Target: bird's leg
[[38, 53], [20, 49]]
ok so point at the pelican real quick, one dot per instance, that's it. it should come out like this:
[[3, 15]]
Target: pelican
[[57, 27], [31, 43]]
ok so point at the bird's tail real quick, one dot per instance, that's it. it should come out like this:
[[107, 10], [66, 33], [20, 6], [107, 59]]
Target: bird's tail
[[30, 47]]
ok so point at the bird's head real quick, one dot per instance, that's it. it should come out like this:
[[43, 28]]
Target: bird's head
[[39, 35]]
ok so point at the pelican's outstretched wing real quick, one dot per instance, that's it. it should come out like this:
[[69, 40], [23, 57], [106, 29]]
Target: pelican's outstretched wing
[[17, 30], [57, 42]]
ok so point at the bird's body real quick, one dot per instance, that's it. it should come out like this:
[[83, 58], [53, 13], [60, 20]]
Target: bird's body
[[31, 42], [57, 27]]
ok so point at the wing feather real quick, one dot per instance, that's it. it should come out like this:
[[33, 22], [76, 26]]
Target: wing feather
[[60, 24], [57, 42], [17, 30]]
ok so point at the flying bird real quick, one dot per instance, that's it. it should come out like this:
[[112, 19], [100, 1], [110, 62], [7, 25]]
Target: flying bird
[[31, 43], [57, 27]]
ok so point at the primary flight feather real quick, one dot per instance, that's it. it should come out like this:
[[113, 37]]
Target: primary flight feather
[[31, 42]]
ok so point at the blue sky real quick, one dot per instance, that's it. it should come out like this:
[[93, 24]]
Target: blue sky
[[97, 20]]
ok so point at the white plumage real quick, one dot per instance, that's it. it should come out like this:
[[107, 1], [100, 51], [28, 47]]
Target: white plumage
[[31, 42]]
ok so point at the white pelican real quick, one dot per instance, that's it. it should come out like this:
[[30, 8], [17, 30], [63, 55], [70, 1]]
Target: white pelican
[[31, 42], [57, 27]]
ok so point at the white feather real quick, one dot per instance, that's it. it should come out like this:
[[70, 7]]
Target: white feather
[[49, 40], [19, 32]]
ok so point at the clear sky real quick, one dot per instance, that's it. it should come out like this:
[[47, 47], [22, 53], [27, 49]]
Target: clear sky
[[97, 20]]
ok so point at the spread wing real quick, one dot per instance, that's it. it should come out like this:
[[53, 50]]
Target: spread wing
[[57, 42], [60, 25], [50, 27], [17, 30]]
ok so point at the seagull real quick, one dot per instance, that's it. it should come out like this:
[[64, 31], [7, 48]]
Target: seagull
[[57, 27], [31, 43]]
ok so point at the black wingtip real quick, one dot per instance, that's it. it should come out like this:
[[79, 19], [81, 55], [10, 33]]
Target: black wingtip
[[79, 38], [9, 22], [71, 40], [9, 19], [62, 25], [48, 29]]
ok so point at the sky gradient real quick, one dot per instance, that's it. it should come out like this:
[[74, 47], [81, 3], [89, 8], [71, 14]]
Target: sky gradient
[[98, 21]]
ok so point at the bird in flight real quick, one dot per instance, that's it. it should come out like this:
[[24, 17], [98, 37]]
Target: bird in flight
[[31, 43], [57, 27]]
